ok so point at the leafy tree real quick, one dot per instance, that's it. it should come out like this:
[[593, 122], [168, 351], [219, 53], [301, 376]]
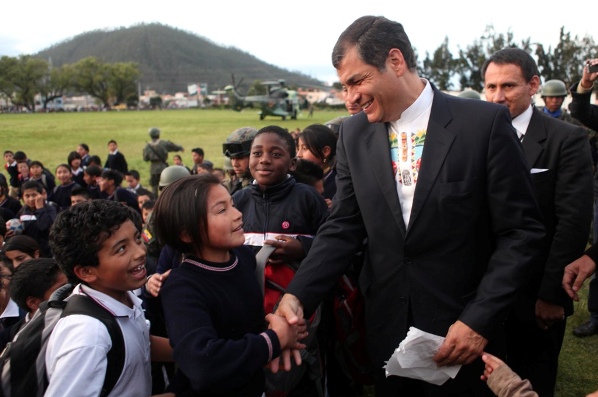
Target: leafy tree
[[20, 78], [92, 77], [122, 82], [566, 60], [156, 102], [440, 69], [55, 84]]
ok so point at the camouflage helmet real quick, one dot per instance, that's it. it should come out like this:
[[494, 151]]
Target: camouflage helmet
[[335, 124], [554, 88], [238, 143], [171, 174], [154, 132], [469, 94]]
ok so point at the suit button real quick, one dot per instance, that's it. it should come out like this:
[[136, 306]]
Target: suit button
[[407, 260], [403, 299]]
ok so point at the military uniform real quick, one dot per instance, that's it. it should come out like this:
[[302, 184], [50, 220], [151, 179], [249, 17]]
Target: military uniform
[[157, 152]]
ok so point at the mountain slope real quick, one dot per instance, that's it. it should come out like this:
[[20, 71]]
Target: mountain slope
[[171, 58]]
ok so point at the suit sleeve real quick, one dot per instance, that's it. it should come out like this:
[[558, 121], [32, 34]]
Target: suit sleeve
[[573, 196], [344, 230]]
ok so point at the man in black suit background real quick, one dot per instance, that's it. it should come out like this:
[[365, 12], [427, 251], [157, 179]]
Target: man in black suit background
[[559, 158], [441, 189]]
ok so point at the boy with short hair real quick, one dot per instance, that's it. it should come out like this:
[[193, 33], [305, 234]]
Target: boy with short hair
[[91, 174], [79, 195], [37, 215], [116, 160], [33, 281], [109, 183], [98, 245]]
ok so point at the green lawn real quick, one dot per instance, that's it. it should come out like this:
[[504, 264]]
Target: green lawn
[[50, 137]]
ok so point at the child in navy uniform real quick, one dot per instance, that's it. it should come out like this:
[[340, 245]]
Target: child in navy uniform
[[280, 212], [62, 193], [98, 245], [212, 301], [37, 215]]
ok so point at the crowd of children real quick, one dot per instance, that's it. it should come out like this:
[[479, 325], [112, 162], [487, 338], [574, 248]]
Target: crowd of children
[[195, 299]]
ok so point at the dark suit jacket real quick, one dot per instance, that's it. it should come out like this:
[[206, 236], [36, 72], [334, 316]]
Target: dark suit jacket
[[565, 195], [474, 229], [117, 162]]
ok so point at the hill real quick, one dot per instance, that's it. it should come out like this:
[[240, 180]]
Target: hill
[[171, 58]]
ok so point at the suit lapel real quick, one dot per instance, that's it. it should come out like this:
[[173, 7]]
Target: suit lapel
[[436, 147], [534, 136], [376, 143]]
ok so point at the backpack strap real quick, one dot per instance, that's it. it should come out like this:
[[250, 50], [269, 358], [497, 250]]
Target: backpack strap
[[81, 304], [261, 259]]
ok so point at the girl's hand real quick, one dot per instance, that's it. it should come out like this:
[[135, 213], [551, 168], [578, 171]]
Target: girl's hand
[[288, 335], [154, 283]]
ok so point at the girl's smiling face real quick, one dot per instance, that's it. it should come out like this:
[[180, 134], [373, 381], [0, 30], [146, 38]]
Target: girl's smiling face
[[64, 175]]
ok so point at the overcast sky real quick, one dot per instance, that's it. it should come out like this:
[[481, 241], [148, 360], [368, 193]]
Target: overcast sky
[[299, 35]]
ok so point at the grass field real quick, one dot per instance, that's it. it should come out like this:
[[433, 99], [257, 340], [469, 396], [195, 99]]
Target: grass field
[[50, 137]]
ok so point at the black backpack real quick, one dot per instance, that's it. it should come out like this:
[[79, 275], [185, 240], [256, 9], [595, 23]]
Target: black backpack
[[23, 361]]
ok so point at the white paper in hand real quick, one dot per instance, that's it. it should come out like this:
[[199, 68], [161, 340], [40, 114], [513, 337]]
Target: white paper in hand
[[413, 358]]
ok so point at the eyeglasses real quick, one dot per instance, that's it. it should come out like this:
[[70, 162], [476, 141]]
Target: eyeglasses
[[236, 149]]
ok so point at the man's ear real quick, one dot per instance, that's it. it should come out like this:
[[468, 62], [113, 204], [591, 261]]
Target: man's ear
[[534, 84], [33, 303], [86, 274], [396, 61]]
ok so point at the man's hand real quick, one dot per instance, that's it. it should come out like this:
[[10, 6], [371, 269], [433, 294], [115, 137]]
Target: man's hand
[[547, 314], [576, 273], [587, 78], [290, 308], [462, 345]]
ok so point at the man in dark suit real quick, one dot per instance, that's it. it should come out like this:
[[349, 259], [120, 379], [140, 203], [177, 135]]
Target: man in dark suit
[[116, 160], [558, 155], [440, 187]]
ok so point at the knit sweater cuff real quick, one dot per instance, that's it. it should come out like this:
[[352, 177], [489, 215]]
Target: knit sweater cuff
[[272, 342]]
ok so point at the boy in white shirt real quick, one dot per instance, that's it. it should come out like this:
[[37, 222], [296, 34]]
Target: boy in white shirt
[[98, 245]]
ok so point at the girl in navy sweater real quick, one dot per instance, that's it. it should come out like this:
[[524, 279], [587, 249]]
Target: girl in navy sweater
[[212, 302]]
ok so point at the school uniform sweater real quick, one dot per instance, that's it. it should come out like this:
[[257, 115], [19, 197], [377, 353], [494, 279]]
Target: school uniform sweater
[[289, 208], [215, 320]]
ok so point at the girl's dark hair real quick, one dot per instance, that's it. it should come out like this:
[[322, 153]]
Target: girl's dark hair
[[67, 166], [38, 163], [283, 134], [21, 243], [181, 209], [316, 137], [79, 232], [73, 156]]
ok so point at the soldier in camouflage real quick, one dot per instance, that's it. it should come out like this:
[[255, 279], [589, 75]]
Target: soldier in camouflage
[[237, 147], [156, 152]]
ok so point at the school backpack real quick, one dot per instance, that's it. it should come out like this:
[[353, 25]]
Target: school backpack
[[23, 361], [350, 345], [273, 281]]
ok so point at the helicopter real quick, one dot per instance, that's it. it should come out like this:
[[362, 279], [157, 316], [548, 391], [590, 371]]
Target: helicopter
[[278, 101]]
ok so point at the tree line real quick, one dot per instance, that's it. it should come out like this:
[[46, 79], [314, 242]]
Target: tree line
[[25, 77], [563, 62]]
